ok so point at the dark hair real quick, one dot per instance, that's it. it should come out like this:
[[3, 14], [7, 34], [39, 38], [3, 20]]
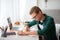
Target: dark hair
[[35, 9]]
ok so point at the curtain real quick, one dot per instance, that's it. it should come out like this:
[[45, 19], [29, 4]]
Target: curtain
[[17, 10], [9, 8]]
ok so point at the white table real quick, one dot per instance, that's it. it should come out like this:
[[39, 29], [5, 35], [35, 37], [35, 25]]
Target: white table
[[17, 37]]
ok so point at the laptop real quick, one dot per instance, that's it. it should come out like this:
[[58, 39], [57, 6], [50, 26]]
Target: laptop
[[10, 24]]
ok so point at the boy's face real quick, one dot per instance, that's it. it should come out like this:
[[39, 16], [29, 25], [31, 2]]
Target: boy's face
[[36, 16]]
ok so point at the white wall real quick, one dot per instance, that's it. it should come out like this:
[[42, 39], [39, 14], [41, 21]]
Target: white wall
[[53, 8], [51, 4]]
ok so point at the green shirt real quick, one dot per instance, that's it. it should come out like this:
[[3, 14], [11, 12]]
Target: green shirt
[[49, 30]]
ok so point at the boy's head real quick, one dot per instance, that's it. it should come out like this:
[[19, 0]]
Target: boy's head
[[36, 13]]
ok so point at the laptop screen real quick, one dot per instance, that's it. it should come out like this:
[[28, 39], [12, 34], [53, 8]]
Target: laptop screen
[[9, 23]]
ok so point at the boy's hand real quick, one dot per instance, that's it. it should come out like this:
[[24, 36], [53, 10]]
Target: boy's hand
[[22, 33]]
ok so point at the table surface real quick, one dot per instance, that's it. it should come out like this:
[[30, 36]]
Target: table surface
[[20, 37]]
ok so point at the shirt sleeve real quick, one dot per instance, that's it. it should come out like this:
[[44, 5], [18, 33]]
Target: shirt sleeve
[[49, 24], [32, 23]]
